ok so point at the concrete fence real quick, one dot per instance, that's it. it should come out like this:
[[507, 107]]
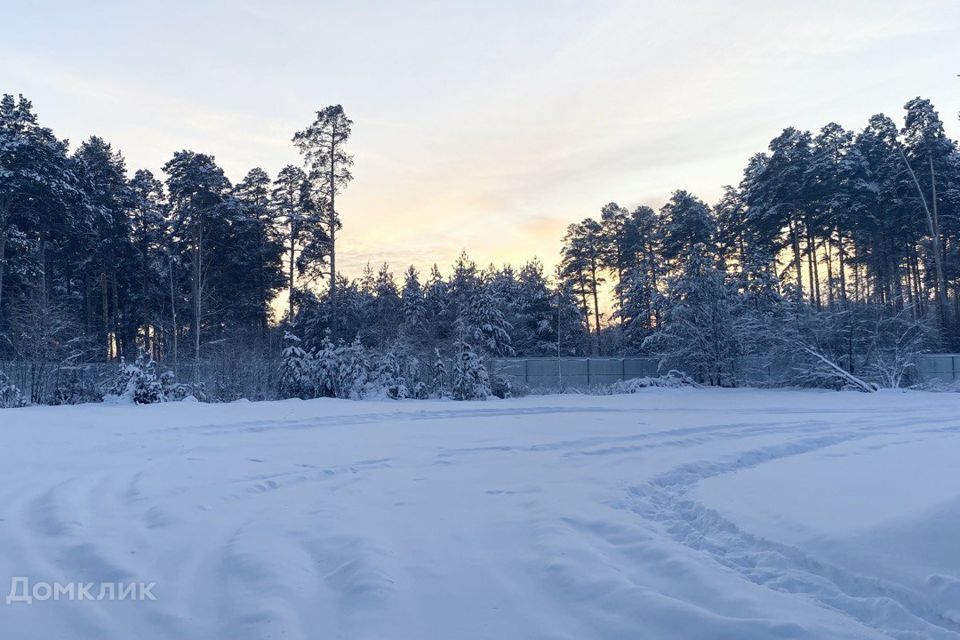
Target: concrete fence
[[256, 379], [553, 373], [575, 373], [938, 367]]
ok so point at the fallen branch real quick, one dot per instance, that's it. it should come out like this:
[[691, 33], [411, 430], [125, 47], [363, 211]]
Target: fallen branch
[[840, 372]]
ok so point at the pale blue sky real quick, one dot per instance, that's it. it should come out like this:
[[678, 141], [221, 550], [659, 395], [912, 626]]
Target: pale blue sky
[[487, 124]]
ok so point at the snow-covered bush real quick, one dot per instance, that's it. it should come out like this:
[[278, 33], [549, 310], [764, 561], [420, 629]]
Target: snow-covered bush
[[175, 391], [138, 382], [10, 395], [76, 385], [332, 371], [672, 380], [501, 386]]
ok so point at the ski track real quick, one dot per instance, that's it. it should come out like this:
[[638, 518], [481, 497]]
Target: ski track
[[233, 560]]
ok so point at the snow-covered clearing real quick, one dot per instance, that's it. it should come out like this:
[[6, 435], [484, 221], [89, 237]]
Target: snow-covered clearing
[[670, 514]]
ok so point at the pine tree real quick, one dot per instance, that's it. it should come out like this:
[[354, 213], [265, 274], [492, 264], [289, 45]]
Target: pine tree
[[534, 327], [699, 335], [305, 240], [148, 233], [261, 246], [196, 187], [36, 190], [296, 376], [108, 200], [469, 376], [438, 380], [414, 309], [581, 264], [328, 170], [10, 395], [388, 311], [485, 324]]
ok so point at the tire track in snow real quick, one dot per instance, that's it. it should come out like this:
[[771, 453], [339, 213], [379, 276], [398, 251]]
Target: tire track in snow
[[887, 607]]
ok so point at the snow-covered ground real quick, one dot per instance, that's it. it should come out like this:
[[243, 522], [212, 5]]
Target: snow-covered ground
[[666, 514]]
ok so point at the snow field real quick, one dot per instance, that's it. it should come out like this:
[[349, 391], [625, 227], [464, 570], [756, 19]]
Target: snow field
[[670, 513]]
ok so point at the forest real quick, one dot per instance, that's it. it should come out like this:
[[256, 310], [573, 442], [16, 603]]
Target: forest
[[833, 262]]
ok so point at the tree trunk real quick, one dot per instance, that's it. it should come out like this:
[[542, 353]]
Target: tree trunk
[[797, 260], [811, 268], [842, 256], [829, 261], [596, 307], [105, 312], [291, 275], [934, 229], [3, 265], [197, 293], [334, 316], [939, 253], [119, 340], [173, 314]]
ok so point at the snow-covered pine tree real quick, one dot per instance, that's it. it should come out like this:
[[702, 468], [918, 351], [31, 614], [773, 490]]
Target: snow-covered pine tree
[[534, 329], [581, 266], [438, 380], [414, 309], [195, 187], [10, 395], [439, 307], [326, 369], [699, 335], [486, 325], [470, 380], [259, 249], [353, 370], [387, 310], [392, 374], [297, 370]]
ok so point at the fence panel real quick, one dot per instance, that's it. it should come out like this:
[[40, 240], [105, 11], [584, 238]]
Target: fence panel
[[572, 373], [938, 367]]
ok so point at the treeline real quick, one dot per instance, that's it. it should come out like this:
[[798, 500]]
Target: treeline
[[96, 264], [834, 221], [836, 258]]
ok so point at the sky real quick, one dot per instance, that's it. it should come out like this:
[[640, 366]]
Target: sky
[[479, 125]]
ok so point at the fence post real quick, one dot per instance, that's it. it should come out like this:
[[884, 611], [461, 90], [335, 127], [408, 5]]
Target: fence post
[[588, 372], [526, 371], [623, 369]]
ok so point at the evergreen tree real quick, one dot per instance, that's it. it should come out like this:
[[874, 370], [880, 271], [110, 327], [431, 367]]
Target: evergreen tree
[[485, 324], [414, 309], [110, 262], [328, 170], [469, 377], [148, 234], [261, 247], [388, 311], [699, 335], [196, 187], [581, 264]]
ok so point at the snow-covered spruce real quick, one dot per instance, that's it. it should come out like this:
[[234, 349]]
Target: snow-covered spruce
[[10, 395], [143, 382]]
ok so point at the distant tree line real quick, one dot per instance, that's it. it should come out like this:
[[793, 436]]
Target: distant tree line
[[838, 250]]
